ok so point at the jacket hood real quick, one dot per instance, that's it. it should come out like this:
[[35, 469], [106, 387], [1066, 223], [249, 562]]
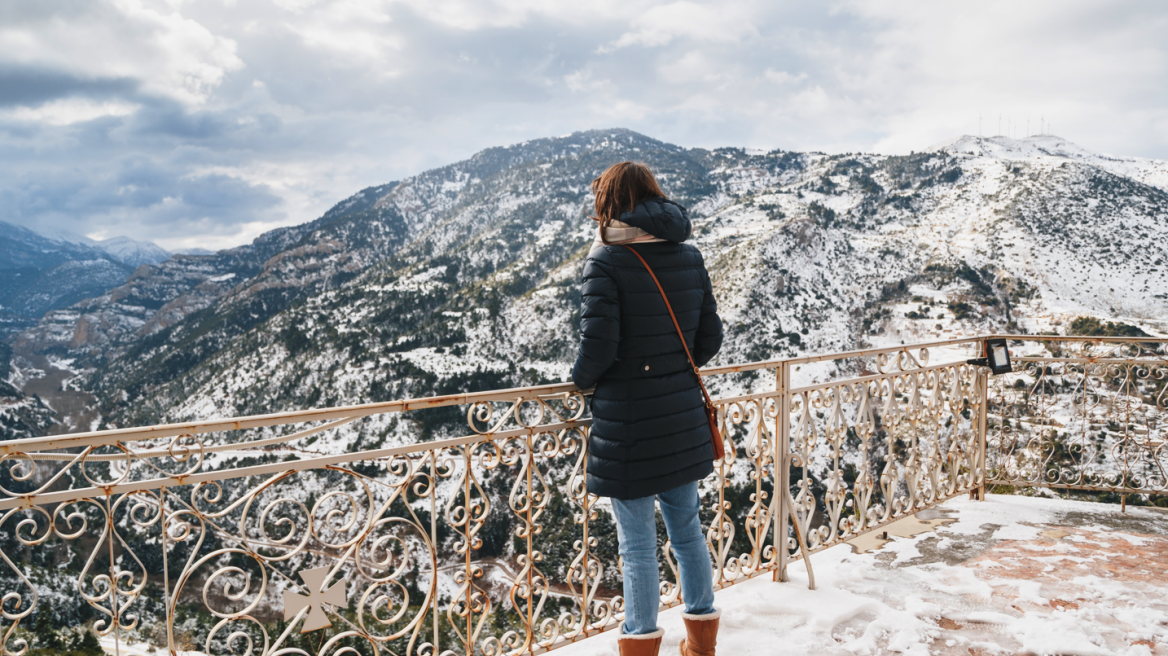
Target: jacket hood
[[661, 218]]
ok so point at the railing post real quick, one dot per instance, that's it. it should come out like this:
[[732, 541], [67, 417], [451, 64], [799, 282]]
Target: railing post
[[434, 546], [166, 572], [983, 382], [782, 481]]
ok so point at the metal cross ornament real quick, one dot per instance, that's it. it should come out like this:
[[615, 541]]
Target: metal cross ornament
[[294, 602]]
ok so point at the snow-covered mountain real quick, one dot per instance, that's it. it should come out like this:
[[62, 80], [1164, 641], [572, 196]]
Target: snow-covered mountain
[[46, 270], [466, 277], [39, 273], [133, 252], [1152, 172]]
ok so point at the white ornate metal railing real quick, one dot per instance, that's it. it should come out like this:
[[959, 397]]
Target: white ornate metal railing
[[1082, 413], [228, 536]]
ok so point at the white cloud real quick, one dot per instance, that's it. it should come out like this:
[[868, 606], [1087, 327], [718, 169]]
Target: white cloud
[[693, 68], [783, 77], [602, 99], [66, 111], [660, 25], [349, 28], [582, 82], [812, 102], [297, 6], [495, 14], [242, 234], [166, 53]]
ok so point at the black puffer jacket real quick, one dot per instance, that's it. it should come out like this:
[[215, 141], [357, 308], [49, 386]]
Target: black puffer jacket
[[649, 429]]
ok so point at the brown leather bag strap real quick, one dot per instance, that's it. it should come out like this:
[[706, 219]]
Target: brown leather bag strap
[[676, 325]]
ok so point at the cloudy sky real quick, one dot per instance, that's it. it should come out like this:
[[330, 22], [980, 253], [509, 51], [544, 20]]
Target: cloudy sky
[[201, 123]]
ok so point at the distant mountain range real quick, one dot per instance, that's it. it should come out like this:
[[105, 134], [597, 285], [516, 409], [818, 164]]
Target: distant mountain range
[[466, 277], [42, 271], [130, 252]]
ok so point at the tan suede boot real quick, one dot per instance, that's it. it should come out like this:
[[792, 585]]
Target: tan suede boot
[[701, 634], [641, 645]]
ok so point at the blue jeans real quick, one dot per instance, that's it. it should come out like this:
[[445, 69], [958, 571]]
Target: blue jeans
[[636, 528]]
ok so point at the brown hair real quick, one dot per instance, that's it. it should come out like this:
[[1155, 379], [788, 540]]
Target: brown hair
[[619, 189]]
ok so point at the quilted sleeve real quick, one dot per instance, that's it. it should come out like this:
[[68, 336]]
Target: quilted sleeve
[[599, 324], [708, 340]]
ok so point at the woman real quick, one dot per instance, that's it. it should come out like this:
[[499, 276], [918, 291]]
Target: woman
[[650, 437]]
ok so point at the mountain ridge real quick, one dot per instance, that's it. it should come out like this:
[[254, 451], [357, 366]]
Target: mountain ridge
[[1148, 171]]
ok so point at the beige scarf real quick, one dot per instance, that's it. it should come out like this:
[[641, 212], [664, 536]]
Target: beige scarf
[[620, 232]]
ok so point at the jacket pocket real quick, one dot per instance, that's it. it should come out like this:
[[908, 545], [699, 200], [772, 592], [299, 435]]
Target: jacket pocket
[[661, 365]]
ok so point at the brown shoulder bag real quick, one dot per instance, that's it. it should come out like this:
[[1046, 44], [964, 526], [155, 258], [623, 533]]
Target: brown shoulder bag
[[711, 413]]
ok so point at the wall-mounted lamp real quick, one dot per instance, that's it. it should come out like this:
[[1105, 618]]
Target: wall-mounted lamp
[[997, 357]]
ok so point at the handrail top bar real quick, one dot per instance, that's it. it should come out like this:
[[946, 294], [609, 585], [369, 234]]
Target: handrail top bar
[[297, 416], [840, 355], [843, 355], [1077, 338], [1099, 361], [862, 380]]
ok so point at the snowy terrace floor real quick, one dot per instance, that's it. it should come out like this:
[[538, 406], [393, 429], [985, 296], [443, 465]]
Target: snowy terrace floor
[[1009, 575]]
